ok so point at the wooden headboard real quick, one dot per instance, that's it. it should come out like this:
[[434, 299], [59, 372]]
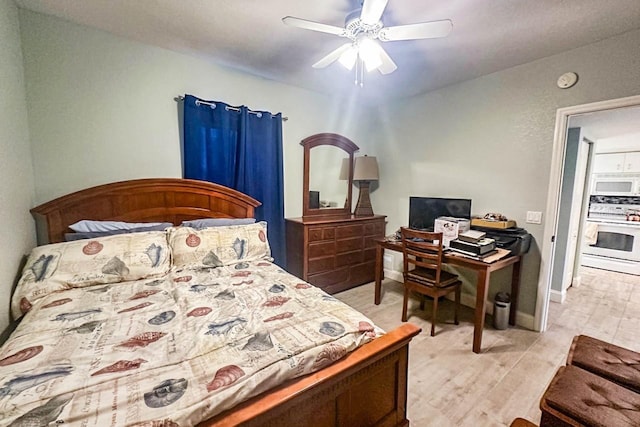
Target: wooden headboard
[[142, 200]]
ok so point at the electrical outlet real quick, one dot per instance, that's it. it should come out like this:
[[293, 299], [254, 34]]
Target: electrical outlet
[[534, 217]]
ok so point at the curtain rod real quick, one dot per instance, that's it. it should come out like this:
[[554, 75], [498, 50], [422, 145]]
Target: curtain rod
[[198, 102]]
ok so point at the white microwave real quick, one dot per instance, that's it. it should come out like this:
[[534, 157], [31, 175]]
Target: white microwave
[[615, 186]]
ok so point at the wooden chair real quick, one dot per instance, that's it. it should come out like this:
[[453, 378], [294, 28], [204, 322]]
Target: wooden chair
[[423, 273]]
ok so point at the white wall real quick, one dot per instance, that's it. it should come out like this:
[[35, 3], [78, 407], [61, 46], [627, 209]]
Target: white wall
[[103, 108], [17, 233], [619, 143], [490, 139]]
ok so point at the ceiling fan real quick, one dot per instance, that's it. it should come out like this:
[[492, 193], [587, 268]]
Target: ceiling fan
[[364, 28]]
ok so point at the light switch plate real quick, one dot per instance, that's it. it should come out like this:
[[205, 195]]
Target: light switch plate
[[534, 217]]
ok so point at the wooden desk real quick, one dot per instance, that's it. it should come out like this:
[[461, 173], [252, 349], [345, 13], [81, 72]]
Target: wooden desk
[[482, 286]]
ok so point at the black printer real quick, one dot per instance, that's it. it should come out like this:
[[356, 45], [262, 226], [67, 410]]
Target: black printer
[[516, 240]]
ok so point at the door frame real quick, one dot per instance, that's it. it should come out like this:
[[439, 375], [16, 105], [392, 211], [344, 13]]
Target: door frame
[[553, 196], [577, 214], [591, 148]]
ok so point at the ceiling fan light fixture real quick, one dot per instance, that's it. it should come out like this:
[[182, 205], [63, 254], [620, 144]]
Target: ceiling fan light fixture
[[372, 63], [349, 57], [364, 28], [369, 53]]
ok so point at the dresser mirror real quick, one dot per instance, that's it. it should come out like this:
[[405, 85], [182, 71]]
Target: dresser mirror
[[328, 178], [328, 172]]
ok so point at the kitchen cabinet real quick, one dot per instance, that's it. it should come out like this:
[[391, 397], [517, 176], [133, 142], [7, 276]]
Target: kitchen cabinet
[[617, 162], [632, 162]]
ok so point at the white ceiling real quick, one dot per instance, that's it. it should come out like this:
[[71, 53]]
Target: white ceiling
[[487, 36]]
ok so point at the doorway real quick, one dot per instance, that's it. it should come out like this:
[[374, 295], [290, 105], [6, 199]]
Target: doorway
[[574, 197], [555, 244]]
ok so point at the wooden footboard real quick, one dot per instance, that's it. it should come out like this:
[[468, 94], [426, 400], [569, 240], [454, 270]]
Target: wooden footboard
[[366, 388]]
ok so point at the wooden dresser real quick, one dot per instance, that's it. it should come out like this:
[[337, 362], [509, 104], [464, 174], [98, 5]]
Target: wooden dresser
[[334, 254]]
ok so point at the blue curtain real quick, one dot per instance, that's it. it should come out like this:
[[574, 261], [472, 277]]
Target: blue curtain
[[241, 150]]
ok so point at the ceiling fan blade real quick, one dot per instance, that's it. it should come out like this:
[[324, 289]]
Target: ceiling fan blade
[[424, 30], [332, 56], [314, 26], [387, 66], [372, 11]]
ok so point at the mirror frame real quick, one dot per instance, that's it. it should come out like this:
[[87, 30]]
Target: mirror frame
[[335, 140]]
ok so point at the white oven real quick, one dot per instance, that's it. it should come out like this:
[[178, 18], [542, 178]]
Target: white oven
[[607, 185], [616, 247]]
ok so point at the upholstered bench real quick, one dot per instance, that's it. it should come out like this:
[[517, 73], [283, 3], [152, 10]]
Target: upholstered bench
[[617, 364], [576, 397]]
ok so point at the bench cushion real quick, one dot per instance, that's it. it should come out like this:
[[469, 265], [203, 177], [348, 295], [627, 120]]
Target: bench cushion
[[617, 364], [588, 399]]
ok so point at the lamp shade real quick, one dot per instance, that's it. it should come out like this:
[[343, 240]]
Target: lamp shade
[[366, 169], [344, 170]]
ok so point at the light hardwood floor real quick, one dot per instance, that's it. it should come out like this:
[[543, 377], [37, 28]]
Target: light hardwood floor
[[449, 385]]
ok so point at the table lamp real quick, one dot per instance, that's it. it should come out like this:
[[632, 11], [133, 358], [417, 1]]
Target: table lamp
[[365, 171]]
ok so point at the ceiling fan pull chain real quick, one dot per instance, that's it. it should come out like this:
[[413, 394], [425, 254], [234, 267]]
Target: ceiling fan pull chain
[[355, 80], [359, 80]]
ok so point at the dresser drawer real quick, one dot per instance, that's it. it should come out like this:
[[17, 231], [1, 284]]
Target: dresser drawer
[[369, 242], [363, 273], [349, 258], [326, 233], [329, 278], [321, 249], [369, 254], [317, 265], [348, 245], [374, 228], [344, 231]]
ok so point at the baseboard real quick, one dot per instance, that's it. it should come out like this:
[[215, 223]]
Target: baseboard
[[523, 320], [576, 282], [557, 296]]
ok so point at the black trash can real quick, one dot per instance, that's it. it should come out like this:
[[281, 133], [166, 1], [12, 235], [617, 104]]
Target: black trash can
[[501, 308]]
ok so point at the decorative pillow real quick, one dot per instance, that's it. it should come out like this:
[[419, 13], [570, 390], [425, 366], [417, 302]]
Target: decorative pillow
[[60, 266], [218, 246], [70, 237], [87, 225], [199, 224]]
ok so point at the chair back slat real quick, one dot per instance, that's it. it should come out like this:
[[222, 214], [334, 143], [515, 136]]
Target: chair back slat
[[422, 249]]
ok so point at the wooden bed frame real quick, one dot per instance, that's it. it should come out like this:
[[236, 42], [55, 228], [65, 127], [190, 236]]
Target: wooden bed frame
[[141, 200], [368, 387]]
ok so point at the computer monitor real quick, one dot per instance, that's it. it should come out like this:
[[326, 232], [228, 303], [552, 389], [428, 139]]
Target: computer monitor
[[423, 211]]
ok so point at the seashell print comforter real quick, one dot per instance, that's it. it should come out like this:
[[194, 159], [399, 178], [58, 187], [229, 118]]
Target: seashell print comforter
[[178, 350]]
